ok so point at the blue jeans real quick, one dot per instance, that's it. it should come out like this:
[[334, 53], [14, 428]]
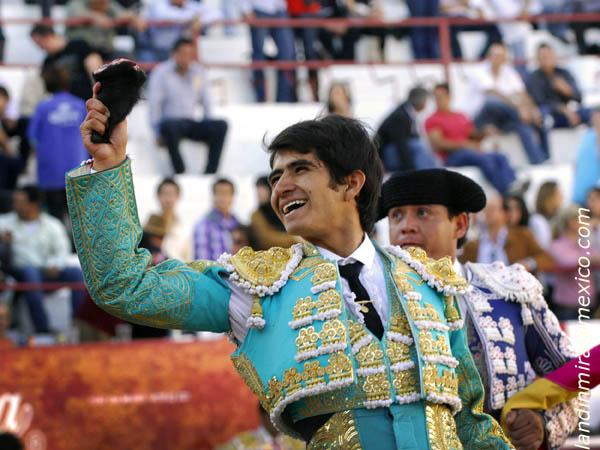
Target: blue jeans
[[210, 131], [495, 167], [560, 120], [284, 40], [424, 40], [29, 274], [418, 157], [506, 118]]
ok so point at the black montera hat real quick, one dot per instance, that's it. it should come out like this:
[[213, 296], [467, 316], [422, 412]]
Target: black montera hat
[[431, 186]]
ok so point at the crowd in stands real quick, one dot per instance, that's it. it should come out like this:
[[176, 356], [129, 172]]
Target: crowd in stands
[[423, 131]]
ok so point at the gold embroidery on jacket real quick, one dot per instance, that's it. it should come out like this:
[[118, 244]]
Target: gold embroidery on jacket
[[338, 433], [248, 372], [261, 267], [441, 428]]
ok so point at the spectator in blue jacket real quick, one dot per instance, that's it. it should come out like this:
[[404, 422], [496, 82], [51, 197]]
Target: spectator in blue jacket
[[54, 133]]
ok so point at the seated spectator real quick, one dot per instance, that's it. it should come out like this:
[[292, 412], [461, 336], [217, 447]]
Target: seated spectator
[[505, 104], [471, 9], [339, 100], [518, 214], [587, 166], [548, 202], [177, 241], [212, 234], [40, 247], [156, 42], [500, 242], [456, 141], [266, 226], [555, 90], [401, 146], [100, 30], [284, 40], [567, 251], [54, 133], [175, 88], [75, 55]]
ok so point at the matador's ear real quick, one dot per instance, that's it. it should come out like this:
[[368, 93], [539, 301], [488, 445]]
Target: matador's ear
[[120, 84]]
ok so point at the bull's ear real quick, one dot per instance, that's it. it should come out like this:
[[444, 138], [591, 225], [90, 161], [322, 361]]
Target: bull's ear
[[121, 83]]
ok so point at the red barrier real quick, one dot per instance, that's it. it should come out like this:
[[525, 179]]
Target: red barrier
[[144, 395]]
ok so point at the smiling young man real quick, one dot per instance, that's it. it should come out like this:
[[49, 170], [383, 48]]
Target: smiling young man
[[513, 336], [343, 343]]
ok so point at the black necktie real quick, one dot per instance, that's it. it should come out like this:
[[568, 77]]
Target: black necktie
[[372, 321]]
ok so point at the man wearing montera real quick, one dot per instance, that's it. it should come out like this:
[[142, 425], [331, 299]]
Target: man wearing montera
[[345, 344], [512, 334]]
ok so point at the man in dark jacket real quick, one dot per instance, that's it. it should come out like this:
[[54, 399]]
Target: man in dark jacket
[[554, 90], [400, 144]]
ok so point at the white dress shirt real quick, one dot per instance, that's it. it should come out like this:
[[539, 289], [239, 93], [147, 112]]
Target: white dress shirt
[[371, 276]]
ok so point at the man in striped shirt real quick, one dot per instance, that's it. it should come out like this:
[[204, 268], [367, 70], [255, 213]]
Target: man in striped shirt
[[212, 234]]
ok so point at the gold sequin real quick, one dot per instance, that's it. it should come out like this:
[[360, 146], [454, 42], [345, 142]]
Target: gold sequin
[[431, 346], [399, 324], [338, 433], [340, 367], [292, 381], [303, 308], [307, 339], [314, 374], [370, 356], [397, 352], [328, 300], [324, 272], [377, 387], [447, 384], [357, 331], [333, 332], [405, 383], [441, 428], [418, 312]]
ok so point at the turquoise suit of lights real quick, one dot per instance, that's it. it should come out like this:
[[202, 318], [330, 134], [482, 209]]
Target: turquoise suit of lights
[[304, 354]]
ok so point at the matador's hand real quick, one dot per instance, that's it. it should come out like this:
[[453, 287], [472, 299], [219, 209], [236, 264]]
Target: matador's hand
[[106, 156], [526, 429]]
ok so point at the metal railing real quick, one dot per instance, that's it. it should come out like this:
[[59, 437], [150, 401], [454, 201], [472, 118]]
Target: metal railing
[[443, 23]]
